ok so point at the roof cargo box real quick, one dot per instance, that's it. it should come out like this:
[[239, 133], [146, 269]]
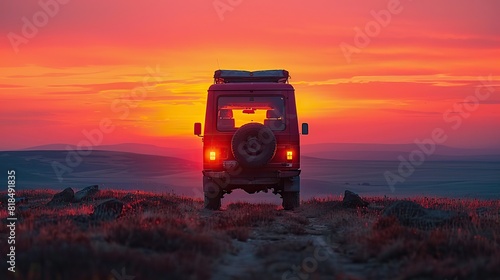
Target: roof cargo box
[[263, 76]]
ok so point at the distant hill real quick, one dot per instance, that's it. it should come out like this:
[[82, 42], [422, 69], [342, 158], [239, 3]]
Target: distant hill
[[40, 169], [338, 151], [391, 152], [182, 153], [320, 177]]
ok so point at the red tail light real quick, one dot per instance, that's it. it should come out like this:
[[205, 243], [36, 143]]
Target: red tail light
[[212, 155]]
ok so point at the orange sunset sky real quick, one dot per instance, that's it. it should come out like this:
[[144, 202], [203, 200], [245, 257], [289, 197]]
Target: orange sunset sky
[[67, 65]]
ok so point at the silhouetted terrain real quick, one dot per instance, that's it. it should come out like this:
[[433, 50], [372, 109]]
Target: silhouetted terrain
[[113, 234], [391, 152], [35, 169], [162, 232], [337, 151], [320, 177], [189, 154]]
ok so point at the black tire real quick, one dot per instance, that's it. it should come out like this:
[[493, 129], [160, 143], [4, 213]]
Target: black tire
[[212, 194], [291, 200], [253, 145], [212, 203]]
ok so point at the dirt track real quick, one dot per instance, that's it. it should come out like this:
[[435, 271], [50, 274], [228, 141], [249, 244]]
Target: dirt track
[[272, 252]]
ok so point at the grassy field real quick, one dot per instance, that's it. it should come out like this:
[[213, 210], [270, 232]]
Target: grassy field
[[172, 237]]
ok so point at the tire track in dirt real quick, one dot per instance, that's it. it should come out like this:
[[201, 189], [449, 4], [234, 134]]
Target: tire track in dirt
[[273, 253]]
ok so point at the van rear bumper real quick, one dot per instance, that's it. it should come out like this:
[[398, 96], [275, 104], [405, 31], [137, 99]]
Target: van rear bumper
[[284, 180], [260, 175]]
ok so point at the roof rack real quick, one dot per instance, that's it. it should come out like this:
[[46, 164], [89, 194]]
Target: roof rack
[[239, 76]]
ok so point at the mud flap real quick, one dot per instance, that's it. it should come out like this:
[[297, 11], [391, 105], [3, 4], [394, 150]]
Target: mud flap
[[291, 184]]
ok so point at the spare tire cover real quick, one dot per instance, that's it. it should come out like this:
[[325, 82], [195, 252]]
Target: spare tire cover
[[253, 145]]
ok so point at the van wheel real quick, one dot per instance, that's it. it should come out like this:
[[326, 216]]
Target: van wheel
[[212, 203], [253, 145], [291, 200], [212, 193]]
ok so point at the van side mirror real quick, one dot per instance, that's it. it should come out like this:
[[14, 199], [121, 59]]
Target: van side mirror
[[305, 129], [197, 129]]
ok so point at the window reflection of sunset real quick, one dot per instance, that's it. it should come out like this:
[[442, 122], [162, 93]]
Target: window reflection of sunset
[[241, 118]]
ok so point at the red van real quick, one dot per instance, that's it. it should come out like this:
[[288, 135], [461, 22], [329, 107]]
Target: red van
[[251, 138]]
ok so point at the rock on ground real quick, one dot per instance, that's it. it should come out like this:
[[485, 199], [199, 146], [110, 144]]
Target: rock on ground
[[66, 196], [86, 193], [353, 200], [412, 214], [108, 210]]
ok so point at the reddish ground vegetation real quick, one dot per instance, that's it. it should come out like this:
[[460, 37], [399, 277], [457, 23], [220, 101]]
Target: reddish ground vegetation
[[465, 250], [171, 237]]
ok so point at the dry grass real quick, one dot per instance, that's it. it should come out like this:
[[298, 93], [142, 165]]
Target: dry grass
[[171, 237], [458, 251], [156, 235]]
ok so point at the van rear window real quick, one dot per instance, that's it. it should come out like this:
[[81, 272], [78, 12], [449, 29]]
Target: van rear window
[[235, 111]]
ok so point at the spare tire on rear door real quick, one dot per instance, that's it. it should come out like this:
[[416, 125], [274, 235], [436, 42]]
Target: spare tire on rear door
[[253, 145]]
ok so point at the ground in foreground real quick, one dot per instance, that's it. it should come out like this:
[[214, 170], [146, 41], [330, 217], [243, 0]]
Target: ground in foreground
[[171, 237]]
